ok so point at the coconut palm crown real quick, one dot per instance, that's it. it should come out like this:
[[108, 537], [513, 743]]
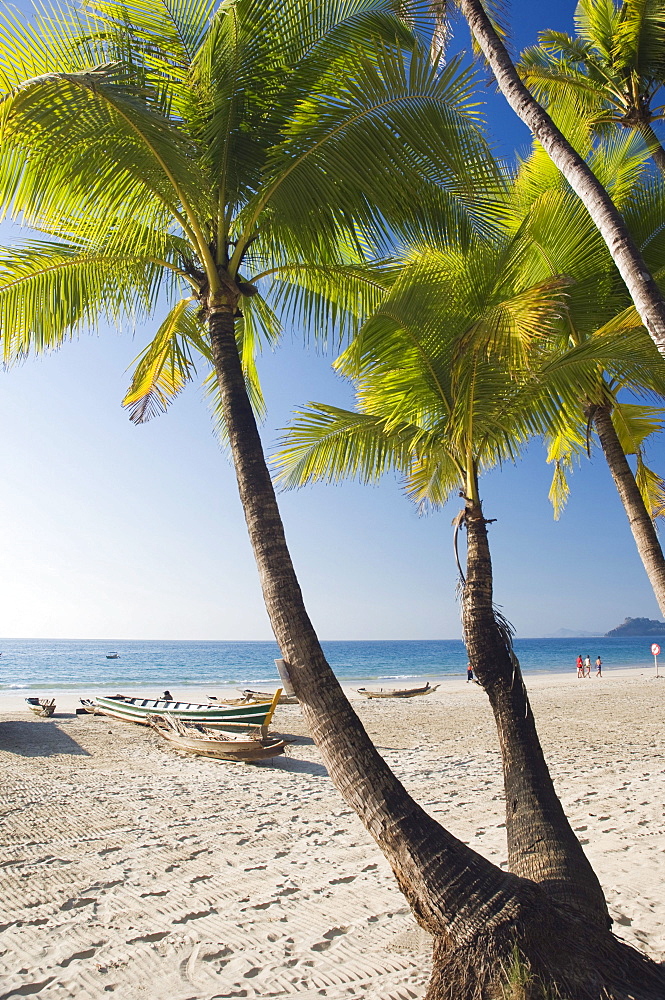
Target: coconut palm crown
[[480, 345], [614, 64], [180, 156]]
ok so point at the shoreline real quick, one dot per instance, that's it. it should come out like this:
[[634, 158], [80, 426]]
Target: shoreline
[[13, 699]]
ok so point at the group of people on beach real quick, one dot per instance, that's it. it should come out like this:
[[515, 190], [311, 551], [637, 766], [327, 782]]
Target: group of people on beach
[[584, 666]]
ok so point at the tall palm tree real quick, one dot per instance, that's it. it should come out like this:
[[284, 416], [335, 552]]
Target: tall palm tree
[[160, 145], [435, 411], [437, 402], [440, 408], [629, 261], [615, 65]]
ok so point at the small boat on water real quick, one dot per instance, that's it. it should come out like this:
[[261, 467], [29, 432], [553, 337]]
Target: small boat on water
[[398, 692], [284, 699], [221, 716], [192, 738], [44, 707]]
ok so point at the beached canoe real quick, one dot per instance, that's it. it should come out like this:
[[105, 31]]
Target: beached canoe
[[44, 707], [398, 692], [231, 717], [192, 738], [284, 699]]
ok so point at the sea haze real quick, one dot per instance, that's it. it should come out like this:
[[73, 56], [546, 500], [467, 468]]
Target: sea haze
[[151, 666]]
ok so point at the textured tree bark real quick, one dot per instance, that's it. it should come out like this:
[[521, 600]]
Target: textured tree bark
[[641, 524], [643, 289], [476, 913], [541, 843]]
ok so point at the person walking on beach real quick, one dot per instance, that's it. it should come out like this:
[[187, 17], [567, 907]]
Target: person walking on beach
[[587, 666], [469, 673], [599, 667], [580, 666]]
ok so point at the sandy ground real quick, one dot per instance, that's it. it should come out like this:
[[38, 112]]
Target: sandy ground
[[129, 869]]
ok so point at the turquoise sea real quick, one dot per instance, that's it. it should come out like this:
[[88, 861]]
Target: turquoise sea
[[58, 664]]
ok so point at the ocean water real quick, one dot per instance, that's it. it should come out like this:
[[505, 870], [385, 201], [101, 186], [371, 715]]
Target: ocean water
[[152, 666]]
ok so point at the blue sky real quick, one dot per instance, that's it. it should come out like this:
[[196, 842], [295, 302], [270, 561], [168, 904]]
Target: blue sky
[[114, 531]]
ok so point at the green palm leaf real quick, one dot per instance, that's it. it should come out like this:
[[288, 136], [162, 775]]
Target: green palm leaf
[[166, 365]]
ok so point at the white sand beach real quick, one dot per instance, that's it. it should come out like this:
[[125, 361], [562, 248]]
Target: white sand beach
[[127, 868]]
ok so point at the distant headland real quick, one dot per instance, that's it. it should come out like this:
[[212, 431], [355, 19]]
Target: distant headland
[[637, 626]]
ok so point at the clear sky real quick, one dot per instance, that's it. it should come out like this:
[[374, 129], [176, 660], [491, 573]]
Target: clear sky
[[112, 531]]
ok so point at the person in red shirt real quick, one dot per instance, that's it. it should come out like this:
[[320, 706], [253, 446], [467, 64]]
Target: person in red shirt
[[580, 666]]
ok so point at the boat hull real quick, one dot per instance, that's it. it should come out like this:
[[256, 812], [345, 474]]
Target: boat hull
[[204, 742], [229, 717], [285, 699], [43, 707], [404, 693]]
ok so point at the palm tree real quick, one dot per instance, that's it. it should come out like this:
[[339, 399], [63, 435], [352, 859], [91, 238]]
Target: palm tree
[[233, 150], [437, 402], [615, 65], [629, 262]]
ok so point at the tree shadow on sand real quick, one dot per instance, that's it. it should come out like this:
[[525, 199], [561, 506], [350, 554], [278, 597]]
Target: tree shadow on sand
[[296, 766], [38, 739]]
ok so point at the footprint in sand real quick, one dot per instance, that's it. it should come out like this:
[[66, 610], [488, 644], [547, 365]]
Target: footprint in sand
[[328, 938], [73, 904], [88, 953], [195, 915]]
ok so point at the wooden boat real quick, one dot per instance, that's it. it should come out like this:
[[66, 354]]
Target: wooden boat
[[43, 707], [284, 699], [196, 739], [112, 656], [220, 716], [398, 692]]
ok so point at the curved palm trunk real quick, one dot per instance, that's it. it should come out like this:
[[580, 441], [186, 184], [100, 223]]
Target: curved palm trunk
[[541, 843], [477, 913], [643, 289], [653, 145], [641, 524]]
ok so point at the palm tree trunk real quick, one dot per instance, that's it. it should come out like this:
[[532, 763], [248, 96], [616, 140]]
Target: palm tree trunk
[[641, 523], [653, 145], [643, 289], [541, 843], [477, 913]]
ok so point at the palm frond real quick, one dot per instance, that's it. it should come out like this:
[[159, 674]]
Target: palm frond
[[652, 488], [50, 292], [634, 424], [326, 444], [166, 365]]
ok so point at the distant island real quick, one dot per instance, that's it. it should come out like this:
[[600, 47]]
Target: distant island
[[637, 626]]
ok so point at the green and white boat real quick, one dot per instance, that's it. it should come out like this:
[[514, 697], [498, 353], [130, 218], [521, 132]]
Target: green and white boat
[[228, 717]]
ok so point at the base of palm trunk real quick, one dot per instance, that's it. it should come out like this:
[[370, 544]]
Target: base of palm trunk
[[548, 955]]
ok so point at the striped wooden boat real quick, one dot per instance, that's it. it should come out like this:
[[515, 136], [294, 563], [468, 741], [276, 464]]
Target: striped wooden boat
[[229, 717], [192, 738]]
